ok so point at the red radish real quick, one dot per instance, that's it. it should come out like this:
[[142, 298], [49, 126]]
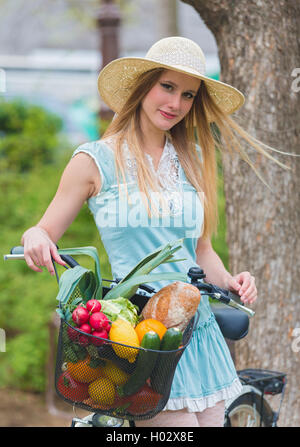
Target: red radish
[[85, 327], [93, 306], [101, 333], [83, 340], [72, 333], [97, 320], [106, 325], [80, 315]]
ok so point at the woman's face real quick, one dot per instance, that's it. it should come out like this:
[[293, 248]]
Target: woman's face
[[169, 100]]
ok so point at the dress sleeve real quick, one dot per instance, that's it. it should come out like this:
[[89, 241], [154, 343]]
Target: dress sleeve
[[103, 158]]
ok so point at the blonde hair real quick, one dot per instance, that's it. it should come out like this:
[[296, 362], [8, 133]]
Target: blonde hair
[[197, 128]]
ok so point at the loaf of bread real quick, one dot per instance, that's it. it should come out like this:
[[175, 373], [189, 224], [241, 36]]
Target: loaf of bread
[[174, 305]]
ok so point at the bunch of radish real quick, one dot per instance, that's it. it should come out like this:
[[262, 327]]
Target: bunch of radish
[[91, 320]]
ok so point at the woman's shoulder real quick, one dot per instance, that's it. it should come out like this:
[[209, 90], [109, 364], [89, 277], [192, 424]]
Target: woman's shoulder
[[101, 152], [101, 146]]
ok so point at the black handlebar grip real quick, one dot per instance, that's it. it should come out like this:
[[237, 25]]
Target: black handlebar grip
[[19, 250]]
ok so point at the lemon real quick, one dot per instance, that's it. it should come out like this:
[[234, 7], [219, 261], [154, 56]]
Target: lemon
[[122, 331], [115, 374], [102, 391]]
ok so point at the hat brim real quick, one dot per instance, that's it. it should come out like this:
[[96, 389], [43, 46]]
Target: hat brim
[[116, 80]]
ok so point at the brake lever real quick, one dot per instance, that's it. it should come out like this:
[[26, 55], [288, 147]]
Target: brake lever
[[222, 295], [231, 299]]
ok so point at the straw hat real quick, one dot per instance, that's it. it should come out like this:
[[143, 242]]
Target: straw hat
[[117, 79]]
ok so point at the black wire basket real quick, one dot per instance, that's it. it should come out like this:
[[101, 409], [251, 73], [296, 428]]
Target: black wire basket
[[90, 371]]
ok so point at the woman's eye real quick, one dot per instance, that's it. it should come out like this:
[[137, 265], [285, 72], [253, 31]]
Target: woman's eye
[[189, 95], [166, 86]]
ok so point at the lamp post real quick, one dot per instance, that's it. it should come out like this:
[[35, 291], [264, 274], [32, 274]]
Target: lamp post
[[108, 20]]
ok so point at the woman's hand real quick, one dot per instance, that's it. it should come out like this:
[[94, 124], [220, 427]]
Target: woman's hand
[[38, 249], [244, 285]]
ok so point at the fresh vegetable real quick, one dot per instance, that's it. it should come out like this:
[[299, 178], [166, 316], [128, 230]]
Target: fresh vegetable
[[171, 339], [85, 328], [120, 308], [115, 374], [98, 320], [71, 389], [80, 315], [128, 286], [83, 340], [93, 306], [164, 367], [72, 334], [150, 325], [100, 333], [145, 364], [142, 402], [83, 371], [74, 352], [121, 331], [102, 391]]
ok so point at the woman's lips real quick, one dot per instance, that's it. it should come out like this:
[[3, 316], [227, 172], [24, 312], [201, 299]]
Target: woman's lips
[[167, 115]]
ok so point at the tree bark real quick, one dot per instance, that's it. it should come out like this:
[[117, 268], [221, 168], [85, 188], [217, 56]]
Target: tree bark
[[259, 52], [166, 12]]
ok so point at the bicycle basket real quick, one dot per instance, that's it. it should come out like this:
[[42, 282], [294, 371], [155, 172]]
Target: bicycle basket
[[90, 371]]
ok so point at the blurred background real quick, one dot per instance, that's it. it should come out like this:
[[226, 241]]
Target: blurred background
[[51, 52]]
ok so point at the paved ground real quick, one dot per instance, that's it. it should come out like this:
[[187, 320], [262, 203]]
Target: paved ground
[[21, 409]]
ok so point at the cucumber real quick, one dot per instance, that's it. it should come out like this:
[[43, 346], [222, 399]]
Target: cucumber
[[162, 373], [171, 339], [145, 363]]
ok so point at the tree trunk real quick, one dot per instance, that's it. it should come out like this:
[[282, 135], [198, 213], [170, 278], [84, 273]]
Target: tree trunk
[[166, 13], [259, 51]]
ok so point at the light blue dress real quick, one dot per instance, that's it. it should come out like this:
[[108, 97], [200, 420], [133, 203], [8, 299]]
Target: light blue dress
[[205, 373]]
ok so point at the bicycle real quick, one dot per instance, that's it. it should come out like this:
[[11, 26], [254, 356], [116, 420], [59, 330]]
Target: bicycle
[[250, 408]]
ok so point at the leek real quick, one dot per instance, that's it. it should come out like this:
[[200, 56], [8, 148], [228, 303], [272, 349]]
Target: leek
[[128, 286]]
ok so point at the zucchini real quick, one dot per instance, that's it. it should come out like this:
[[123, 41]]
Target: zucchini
[[162, 373], [145, 363]]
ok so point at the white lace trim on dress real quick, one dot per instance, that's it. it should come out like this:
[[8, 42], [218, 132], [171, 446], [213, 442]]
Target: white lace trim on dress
[[201, 403], [167, 174]]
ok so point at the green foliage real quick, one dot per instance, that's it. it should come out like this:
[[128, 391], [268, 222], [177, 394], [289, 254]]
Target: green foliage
[[219, 241], [29, 136]]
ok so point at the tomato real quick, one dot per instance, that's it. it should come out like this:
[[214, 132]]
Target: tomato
[[71, 389], [142, 401]]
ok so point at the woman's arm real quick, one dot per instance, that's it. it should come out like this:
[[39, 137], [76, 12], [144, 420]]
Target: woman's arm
[[210, 262], [80, 180]]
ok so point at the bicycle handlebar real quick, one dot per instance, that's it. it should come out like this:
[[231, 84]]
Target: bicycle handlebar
[[195, 273]]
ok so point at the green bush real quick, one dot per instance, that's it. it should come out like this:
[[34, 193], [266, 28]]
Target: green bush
[[30, 136]]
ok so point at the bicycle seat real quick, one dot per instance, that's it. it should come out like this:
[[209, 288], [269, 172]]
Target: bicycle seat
[[234, 324]]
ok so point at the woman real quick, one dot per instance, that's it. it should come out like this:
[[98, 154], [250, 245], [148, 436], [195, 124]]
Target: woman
[[169, 119]]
